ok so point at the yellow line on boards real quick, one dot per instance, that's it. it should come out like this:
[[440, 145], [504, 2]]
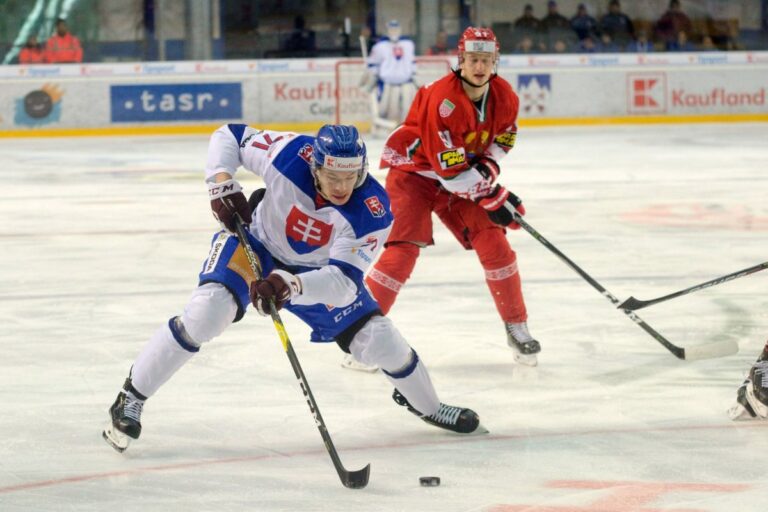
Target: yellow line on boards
[[311, 127]]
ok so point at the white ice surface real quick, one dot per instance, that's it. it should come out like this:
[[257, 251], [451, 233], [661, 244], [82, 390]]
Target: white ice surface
[[102, 239]]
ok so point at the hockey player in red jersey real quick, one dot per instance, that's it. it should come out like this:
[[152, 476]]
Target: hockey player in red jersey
[[444, 159]]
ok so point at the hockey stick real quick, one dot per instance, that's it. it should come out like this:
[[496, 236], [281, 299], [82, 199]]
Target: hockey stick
[[377, 119], [633, 304], [708, 350], [351, 479]]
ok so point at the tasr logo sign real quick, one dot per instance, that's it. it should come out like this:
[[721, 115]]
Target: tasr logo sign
[[646, 93], [176, 102]]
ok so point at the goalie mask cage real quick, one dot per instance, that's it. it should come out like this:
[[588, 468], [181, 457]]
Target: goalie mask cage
[[353, 103]]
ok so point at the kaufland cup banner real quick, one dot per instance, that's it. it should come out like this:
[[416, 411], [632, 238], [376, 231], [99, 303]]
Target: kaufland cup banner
[[309, 91]]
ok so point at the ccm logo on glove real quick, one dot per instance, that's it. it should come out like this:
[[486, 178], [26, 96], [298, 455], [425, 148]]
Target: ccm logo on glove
[[227, 199]]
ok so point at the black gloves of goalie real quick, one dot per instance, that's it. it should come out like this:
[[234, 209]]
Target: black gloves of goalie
[[227, 199], [279, 287]]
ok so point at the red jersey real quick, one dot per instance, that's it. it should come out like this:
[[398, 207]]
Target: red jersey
[[445, 131], [32, 55], [61, 49]]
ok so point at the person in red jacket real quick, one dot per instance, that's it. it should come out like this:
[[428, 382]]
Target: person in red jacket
[[63, 47], [444, 159], [32, 53]]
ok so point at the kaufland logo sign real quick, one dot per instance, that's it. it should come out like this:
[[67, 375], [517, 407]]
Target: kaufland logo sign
[[647, 93]]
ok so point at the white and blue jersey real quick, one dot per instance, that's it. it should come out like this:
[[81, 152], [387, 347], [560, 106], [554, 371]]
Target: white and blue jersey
[[294, 228]]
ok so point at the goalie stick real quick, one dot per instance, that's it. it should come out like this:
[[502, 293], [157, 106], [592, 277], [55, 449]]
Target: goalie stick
[[704, 351], [633, 304], [351, 479]]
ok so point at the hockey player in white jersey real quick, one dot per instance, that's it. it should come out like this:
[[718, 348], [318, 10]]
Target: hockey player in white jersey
[[316, 227], [391, 71]]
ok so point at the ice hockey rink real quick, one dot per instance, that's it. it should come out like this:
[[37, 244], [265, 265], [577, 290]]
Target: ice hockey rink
[[102, 242]]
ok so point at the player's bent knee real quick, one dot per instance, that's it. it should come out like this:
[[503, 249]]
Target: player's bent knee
[[210, 310], [380, 343]]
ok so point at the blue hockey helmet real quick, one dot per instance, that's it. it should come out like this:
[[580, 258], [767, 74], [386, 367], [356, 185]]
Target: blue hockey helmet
[[339, 147]]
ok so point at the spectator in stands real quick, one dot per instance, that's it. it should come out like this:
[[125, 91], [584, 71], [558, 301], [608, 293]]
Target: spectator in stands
[[587, 45], [671, 23], [681, 44], [617, 25], [583, 24], [558, 46], [641, 45], [441, 45], [606, 44], [527, 22], [32, 53], [63, 46], [301, 42], [525, 45], [554, 21], [708, 45]]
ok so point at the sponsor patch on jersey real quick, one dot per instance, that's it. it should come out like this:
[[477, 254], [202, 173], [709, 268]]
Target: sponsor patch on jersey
[[375, 207], [506, 140], [452, 158], [306, 153], [446, 107], [215, 254], [304, 233]]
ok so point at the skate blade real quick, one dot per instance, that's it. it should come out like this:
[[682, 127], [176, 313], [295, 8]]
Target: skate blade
[[115, 438], [479, 431], [761, 410], [738, 412], [526, 360]]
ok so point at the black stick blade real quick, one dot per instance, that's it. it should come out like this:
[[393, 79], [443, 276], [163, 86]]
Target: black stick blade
[[356, 479], [632, 304]]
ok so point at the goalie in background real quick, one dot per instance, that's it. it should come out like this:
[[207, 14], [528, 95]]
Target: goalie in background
[[752, 396], [391, 67]]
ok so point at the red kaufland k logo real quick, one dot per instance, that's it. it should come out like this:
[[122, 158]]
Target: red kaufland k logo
[[647, 93]]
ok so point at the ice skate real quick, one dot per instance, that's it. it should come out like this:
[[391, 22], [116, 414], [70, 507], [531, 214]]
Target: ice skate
[[741, 410], [125, 420], [350, 363], [456, 419], [522, 343], [757, 393]]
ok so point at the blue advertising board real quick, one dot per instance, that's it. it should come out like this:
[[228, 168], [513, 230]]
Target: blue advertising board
[[176, 102]]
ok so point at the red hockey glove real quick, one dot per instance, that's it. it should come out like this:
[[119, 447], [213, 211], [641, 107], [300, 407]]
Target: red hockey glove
[[487, 167], [279, 286], [227, 199], [497, 203]]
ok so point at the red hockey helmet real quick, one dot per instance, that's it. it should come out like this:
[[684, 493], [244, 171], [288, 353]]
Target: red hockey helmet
[[478, 39]]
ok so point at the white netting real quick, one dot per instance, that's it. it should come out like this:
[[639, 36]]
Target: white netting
[[353, 103]]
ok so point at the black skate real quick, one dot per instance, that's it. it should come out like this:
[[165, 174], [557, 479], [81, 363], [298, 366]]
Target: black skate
[[752, 396], [757, 393], [125, 415], [463, 421], [522, 343], [741, 410]]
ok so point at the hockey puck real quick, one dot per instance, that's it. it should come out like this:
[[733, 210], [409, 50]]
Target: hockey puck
[[429, 481]]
